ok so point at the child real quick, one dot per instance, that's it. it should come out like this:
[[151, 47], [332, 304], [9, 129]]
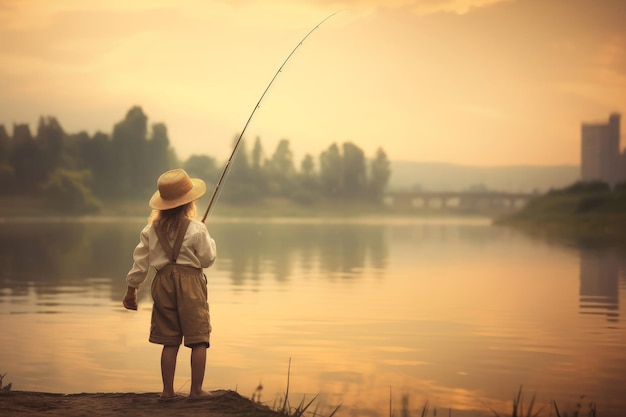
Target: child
[[177, 247]]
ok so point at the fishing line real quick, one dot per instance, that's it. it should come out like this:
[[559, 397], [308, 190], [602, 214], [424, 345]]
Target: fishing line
[[218, 186]]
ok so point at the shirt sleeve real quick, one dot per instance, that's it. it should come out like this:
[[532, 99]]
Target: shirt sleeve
[[205, 248], [141, 261]]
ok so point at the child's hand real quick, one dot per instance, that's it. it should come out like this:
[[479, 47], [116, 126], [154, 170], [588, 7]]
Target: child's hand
[[130, 299]]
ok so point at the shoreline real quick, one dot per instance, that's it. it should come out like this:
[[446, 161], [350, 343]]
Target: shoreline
[[35, 208], [223, 403]]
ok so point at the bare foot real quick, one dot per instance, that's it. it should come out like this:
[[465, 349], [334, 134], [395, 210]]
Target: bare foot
[[199, 396]]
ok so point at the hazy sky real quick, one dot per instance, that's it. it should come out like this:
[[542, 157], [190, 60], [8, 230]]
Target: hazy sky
[[479, 82]]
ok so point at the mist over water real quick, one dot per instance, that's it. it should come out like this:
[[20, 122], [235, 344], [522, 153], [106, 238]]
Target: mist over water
[[453, 312]]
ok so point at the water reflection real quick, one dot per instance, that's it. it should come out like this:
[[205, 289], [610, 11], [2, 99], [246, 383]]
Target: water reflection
[[600, 270], [49, 255], [52, 258], [251, 251], [455, 313]]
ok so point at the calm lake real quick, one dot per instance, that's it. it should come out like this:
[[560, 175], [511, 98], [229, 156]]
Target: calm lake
[[453, 313]]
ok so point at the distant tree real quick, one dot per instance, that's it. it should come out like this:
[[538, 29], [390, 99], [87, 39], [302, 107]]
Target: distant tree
[[238, 187], [307, 166], [21, 133], [73, 149], [129, 145], [306, 190], [7, 173], [239, 170], [281, 170], [28, 160], [7, 179], [4, 145], [331, 171], [52, 140], [97, 156], [257, 156], [354, 182], [69, 192], [50, 134], [258, 169], [157, 157], [282, 158], [620, 187], [202, 166], [380, 172]]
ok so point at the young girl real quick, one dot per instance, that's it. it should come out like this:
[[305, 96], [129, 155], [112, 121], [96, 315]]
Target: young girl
[[178, 247]]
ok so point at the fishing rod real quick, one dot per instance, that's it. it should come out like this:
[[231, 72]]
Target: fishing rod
[[217, 189]]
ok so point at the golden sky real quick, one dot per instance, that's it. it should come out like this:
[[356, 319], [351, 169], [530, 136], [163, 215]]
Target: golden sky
[[477, 82]]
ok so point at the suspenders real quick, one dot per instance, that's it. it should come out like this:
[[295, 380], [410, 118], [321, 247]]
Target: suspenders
[[172, 253]]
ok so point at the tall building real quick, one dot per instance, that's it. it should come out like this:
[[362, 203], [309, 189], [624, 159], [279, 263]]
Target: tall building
[[600, 153]]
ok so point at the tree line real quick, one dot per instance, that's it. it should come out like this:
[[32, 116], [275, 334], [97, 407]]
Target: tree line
[[75, 172]]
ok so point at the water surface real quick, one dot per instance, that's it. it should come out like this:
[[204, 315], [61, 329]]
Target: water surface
[[450, 312]]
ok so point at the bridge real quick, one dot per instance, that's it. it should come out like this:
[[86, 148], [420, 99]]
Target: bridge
[[457, 201]]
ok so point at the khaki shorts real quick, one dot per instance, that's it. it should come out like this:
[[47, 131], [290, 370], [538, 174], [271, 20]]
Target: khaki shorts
[[181, 308]]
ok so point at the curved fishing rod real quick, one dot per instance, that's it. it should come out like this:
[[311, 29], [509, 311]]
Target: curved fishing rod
[[234, 152]]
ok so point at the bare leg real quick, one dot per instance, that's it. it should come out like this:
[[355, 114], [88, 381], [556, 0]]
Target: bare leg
[[168, 368], [198, 365]]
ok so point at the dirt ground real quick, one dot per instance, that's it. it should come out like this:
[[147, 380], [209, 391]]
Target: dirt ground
[[222, 403]]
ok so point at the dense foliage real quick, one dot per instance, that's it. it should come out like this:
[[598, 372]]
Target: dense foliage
[[583, 208], [74, 171]]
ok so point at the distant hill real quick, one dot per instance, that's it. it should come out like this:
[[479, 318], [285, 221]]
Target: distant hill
[[436, 176]]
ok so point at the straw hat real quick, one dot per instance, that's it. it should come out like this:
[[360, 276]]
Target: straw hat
[[176, 189]]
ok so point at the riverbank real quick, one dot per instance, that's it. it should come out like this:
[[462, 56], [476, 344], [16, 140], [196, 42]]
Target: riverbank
[[31, 207], [223, 403], [587, 213]]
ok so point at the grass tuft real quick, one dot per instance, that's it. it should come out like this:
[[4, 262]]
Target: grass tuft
[[286, 409], [6, 387], [592, 412]]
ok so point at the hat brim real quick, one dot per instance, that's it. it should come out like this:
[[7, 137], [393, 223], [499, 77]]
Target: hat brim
[[198, 190]]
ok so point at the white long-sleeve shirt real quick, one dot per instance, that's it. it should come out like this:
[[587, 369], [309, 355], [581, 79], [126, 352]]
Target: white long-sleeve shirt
[[198, 250]]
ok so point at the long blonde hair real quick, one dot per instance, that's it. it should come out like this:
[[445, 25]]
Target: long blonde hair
[[169, 220]]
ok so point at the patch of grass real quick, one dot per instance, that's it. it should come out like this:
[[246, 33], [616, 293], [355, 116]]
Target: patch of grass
[[592, 412], [575, 212], [3, 387], [283, 406], [519, 408]]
